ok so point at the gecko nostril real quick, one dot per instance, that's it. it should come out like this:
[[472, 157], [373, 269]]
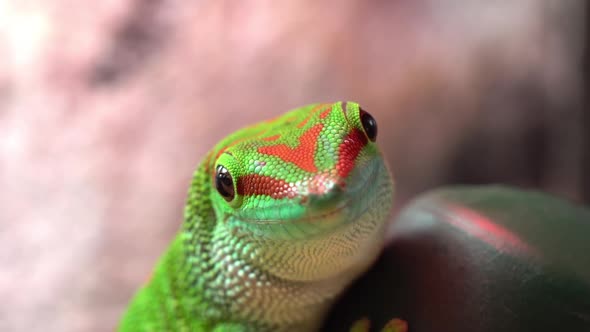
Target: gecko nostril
[[325, 194], [324, 183]]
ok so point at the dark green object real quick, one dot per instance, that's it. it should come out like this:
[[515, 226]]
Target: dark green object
[[479, 259]]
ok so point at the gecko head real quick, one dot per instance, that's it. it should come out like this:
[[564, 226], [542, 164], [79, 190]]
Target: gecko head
[[308, 168], [312, 175]]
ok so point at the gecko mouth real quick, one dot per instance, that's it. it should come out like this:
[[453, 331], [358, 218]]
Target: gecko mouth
[[347, 206], [308, 218]]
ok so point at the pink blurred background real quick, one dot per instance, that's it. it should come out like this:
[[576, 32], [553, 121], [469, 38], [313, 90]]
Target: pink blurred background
[[106, 107]]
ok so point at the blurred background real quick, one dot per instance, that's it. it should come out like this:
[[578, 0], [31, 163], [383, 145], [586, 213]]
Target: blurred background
[[106, 108]]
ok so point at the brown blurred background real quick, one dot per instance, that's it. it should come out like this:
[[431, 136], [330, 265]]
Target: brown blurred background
[[106, 107]]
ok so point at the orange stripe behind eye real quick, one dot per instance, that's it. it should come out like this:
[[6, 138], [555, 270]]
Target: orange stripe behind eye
[[325, 113], [271, 138]]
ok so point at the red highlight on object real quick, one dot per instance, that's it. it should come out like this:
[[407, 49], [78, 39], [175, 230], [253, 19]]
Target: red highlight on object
[[486, 230]]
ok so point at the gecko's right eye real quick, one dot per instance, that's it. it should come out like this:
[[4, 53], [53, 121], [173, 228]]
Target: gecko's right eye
[[224, 183], [369, 125]]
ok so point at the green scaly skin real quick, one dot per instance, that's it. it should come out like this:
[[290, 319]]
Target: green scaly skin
[[280, 218]]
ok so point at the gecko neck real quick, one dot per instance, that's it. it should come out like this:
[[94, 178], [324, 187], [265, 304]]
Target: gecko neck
[[234, 285]]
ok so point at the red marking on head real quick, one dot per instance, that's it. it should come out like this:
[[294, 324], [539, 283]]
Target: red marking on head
[[349, 149], [271, 138], [311, 113], [254, 184], [325, 113], [303, 154], [304, 122], [486, 230]]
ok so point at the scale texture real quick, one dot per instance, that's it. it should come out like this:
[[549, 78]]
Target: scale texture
[[280, 218]]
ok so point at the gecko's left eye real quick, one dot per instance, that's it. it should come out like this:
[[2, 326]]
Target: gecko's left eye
[[369, 125], [224, 183]]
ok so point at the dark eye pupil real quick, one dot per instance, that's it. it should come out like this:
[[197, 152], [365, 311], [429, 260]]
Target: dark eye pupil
[[224, 183], [369, 125]]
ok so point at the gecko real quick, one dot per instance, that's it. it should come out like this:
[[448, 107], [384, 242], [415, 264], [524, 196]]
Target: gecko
[[281, 217]]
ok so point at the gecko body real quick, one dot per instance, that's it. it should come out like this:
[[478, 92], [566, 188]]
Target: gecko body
[[281, 216]]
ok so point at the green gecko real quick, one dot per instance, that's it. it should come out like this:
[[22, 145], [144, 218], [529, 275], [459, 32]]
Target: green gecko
[[280, 218]]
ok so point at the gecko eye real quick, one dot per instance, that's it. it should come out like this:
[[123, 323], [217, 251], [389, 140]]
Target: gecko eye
[[369, 125], [224, 183]]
